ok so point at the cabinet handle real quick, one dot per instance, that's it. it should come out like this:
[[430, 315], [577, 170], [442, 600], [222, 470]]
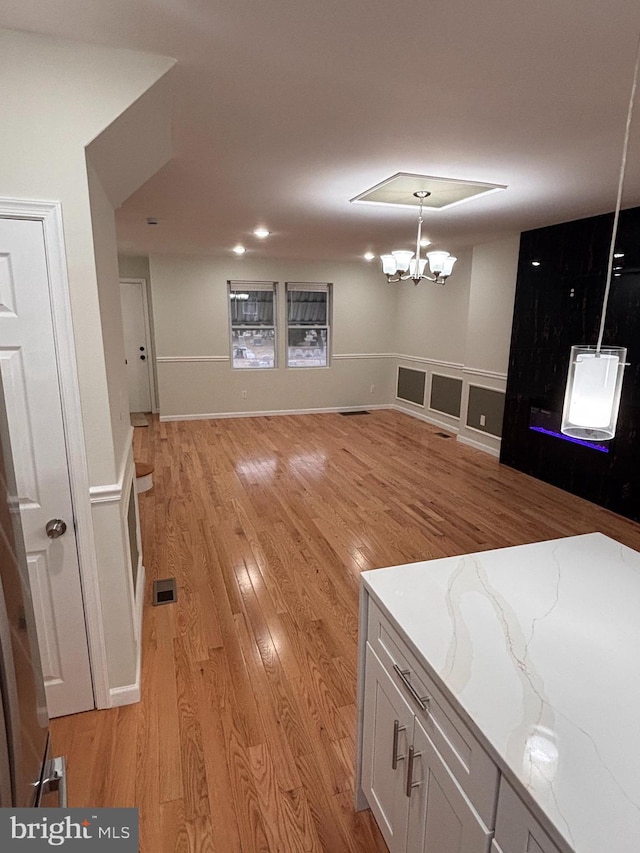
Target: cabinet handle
[[397, 728], [404, 675], [410, 783]]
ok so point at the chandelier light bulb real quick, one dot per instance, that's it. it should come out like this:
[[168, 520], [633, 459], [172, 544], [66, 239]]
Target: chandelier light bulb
[[369, 256], [239, 250], [261, 233]]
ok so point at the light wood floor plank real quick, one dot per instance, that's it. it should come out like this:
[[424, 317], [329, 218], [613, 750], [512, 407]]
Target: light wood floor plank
[[244, 740]]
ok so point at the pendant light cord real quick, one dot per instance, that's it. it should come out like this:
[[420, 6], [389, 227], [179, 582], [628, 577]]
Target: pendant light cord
[[616, 217]]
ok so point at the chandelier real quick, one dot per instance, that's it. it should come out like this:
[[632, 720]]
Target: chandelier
[[401, 265]]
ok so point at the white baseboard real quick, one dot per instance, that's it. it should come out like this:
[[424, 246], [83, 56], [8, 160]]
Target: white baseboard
[[430, 419], [480, 445], [129, 694], [218, 415]]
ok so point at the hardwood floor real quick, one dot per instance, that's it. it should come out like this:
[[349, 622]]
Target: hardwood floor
[[245, 736]]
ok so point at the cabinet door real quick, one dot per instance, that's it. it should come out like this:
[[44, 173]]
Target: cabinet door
[[517, 831], [441, 818], [387, 732]]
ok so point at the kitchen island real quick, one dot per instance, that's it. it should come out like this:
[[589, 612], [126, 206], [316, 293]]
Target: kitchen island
[[499, 700]]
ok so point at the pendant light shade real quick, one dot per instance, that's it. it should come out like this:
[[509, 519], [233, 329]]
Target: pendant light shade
[[594, 381], [592, 395]]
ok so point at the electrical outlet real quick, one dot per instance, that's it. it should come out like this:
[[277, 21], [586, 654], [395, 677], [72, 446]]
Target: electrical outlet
[[243, 394], [372, 388], [483, 420]]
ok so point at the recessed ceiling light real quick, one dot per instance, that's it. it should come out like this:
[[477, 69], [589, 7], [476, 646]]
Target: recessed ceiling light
[[239, 250], [369, 256], [261, 233], [535, 263], [425, 242]]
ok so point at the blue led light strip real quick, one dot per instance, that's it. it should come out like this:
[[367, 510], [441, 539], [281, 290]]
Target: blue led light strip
[[592, 444]]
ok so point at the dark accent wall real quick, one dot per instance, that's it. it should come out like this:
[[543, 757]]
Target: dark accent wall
[[558, 304]]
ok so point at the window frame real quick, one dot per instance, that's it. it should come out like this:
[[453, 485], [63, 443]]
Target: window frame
[[234, 285], [309, 287]]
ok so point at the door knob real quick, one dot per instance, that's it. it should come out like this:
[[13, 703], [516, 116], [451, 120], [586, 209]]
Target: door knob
[[55, 528]]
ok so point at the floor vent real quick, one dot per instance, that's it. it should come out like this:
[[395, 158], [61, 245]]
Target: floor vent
[[165, 591], [362, 412], [443, 434]]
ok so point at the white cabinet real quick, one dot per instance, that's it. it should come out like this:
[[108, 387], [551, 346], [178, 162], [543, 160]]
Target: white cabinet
[[430, 784], [387, 736], [517, 831], [441, 818], [419, 805]]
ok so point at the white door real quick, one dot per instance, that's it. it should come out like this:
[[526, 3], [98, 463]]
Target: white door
[[30, 378], [135, 320]]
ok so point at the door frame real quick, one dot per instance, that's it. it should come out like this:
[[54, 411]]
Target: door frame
[[151, 360], [49, 213]]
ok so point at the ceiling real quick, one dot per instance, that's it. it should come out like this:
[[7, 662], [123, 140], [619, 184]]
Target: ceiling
[[286, 109]]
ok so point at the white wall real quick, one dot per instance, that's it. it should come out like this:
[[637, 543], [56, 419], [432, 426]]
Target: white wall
[[58, 96], [432, 318], [190, 317], [491, 299], [461, 330], [106, 260]]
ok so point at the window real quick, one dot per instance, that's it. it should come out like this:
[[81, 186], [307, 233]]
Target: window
[[307, 324], [253, 323]]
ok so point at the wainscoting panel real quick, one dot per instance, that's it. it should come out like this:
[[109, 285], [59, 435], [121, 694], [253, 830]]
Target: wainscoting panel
[[485, 409], [411, 385], [446, 394]]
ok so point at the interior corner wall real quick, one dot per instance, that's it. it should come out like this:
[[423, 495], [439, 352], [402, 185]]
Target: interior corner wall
[[458, 336], [190, 319], [430, 337], [106, 261], [60, 95]]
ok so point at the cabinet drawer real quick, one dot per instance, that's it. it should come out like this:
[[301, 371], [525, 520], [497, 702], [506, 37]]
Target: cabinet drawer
[[465, 757], [517, 831]]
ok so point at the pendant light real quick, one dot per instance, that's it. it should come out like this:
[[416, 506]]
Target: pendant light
[[594, 381]]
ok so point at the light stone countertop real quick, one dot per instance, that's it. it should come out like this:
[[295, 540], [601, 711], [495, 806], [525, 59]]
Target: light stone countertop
[[539, 646]]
